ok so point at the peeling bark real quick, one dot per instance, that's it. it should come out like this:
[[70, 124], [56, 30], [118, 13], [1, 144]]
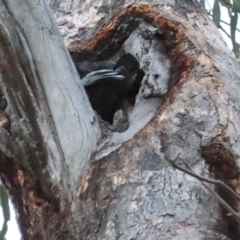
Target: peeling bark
[[65, 181]]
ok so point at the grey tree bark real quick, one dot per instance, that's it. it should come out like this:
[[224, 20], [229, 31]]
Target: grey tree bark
[[68, 179]]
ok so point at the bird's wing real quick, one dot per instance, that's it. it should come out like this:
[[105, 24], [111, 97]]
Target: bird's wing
[[95, 76]]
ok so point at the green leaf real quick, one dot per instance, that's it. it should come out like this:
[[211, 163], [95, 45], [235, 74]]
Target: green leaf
[[4, 231], [216, 13], [236, 5], [233, 23], [202, 2], [5, 203], [226, 3], [3, 237], [5, 210], [237, 50]]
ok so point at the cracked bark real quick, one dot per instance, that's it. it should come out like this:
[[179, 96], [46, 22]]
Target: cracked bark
[[66, 181]]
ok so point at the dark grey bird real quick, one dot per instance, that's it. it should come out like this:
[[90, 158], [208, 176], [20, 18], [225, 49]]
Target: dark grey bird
[[107, 88]]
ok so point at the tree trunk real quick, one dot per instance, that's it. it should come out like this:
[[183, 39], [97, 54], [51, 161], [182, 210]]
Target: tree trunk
[[69, 182]]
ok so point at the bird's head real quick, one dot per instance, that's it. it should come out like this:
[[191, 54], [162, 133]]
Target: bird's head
[[127, 65]]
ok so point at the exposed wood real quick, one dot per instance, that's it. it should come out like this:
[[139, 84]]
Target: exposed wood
[[49, 113], [189, 99]]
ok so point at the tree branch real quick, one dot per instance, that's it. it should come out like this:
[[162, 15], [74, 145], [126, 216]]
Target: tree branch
[[219, 183]]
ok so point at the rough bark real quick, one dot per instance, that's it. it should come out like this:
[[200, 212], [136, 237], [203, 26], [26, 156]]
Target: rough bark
[[188, 104], [41, 161]]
